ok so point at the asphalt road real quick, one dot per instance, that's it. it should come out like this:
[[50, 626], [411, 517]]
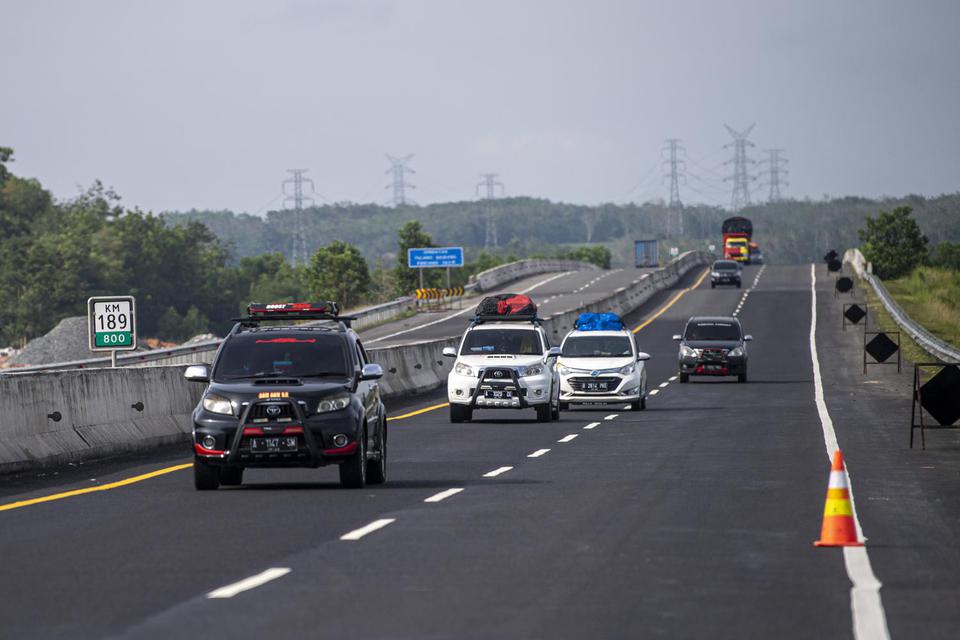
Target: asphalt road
[[691, 519]]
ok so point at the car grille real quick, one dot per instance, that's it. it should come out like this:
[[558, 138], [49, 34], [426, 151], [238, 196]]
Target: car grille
[[604, 384], [495, 374], [260, 411], [713, 355]]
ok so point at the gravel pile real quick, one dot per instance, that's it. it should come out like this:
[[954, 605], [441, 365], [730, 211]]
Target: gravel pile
[[67, 341]]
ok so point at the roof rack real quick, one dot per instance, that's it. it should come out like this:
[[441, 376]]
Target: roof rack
[[526, 317]]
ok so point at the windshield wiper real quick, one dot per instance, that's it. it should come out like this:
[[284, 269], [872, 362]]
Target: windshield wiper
[[261, 374], [322, 374]]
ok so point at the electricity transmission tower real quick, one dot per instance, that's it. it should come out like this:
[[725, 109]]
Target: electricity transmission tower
[[741, 178], [490, 183], [776, 172], [299, 249], [399, 169], [675, 172]]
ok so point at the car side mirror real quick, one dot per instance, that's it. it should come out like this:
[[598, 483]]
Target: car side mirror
[[678, 337], [371, 372], [197, 373], [747, 338], [449, 352], [643, 356], [554, 352]]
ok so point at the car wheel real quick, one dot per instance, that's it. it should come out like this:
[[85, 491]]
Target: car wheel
[[564, 406], [205, 476], [377, 469], [742, 377], [460, 413], [684, 377], [231, 476], [353, 470], [555, 411], [738, 284], [544, 411]]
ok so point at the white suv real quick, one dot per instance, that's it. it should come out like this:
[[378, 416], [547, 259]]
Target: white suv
[[504, 364], [602, 367]]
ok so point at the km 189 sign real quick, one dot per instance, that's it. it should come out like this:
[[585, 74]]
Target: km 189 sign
[[112, 323]]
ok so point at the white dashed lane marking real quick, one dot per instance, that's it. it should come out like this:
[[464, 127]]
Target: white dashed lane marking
[[611, 416], [249, 583], [568, 438], [672, 378], [496, 472], [653, 392], [356, 534], [443, 495], [538, 453], [664, 384], [592, 425]]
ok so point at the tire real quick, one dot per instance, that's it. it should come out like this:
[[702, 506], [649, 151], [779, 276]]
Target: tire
[[564, 406], [684, 378], [544, 411], [353, 471], [636, 405], [231, 476], [460, 413], [713, 285], [643, 403], [555, 411], [738, 284], [205, 476], [377, 469], [742, 377]]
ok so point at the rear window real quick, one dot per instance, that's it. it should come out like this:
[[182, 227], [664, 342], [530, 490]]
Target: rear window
[[597, 347], [712, 331], [278, 355], [521, 342]]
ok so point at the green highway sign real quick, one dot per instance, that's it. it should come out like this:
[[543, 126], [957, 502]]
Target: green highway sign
[[112, 323]]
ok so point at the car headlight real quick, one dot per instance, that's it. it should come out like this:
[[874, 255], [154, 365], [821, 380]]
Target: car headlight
[[565, 370], [627, 370], [534, 370], [333, 404], [715, 274], [687, 352], [736, 352], [463, 369], [217, 404]]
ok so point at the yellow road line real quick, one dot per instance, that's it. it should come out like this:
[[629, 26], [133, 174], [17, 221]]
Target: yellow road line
[[418, 412], [102, 487], [673, 300]]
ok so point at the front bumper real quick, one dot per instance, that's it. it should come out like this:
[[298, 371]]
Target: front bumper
[[512, 393], [609, 387], [711, 367], [725, 280], [308, 440]]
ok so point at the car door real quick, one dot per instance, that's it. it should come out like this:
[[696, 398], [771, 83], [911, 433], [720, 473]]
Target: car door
[[369, 393]]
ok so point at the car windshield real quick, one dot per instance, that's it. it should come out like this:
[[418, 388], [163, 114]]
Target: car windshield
[[597, 347], [525, 342], [280, 355], [712, 330], [725, 266]]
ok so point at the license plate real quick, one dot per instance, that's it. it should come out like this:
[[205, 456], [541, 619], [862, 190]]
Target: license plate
[[273, 445], [595, 386], [498, 395]]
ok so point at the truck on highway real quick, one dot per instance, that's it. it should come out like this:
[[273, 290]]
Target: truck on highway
[[737, 234]]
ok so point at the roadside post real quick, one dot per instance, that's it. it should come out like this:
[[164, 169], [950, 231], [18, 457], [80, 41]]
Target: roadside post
[[112, 324], [435, 258]]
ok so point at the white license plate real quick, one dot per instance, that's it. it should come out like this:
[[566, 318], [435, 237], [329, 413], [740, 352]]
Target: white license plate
[[273, 445], [498, 395]]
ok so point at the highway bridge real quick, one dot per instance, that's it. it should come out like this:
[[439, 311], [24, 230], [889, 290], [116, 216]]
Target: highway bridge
[[692, 519]]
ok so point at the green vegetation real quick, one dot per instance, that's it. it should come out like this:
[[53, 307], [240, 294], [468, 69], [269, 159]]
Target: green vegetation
[[931, 297], [339, 272], [893, 243]]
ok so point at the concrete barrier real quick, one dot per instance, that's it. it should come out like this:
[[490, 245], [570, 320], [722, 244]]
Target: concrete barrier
[[493, 278], [55, 417]]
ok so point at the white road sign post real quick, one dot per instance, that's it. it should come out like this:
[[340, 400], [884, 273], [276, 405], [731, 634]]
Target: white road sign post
[[112, 324]]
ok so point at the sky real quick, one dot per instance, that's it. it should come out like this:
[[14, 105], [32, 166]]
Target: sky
[[206, 104]]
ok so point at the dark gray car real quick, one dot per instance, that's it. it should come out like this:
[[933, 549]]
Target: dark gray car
[[713, 346], [725, 272]]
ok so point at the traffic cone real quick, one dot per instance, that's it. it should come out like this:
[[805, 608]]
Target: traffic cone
[[839, 530]]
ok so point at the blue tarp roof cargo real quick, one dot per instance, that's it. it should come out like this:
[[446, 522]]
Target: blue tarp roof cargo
[[599, 322]]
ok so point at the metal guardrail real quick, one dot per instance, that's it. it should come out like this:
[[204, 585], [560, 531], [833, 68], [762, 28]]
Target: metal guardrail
[[928, 342]]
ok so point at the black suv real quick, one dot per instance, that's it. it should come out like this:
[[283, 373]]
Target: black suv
[[713, 346], [294, 395], [725, 272]]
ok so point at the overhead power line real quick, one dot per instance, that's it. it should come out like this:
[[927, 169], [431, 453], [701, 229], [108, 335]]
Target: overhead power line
[[299, 249], [490, 185], [741, 177], [675, 172], [775, 172]]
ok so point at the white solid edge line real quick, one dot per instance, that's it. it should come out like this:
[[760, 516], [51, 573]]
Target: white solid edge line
[[538, 453], [249, 583], [568, 438], [443, 495], [356, 534], [496, 472], [592, 425], [869, 619], [611, 416]]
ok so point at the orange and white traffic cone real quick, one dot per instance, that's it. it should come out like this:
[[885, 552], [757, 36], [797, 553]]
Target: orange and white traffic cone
[[839, 529]]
